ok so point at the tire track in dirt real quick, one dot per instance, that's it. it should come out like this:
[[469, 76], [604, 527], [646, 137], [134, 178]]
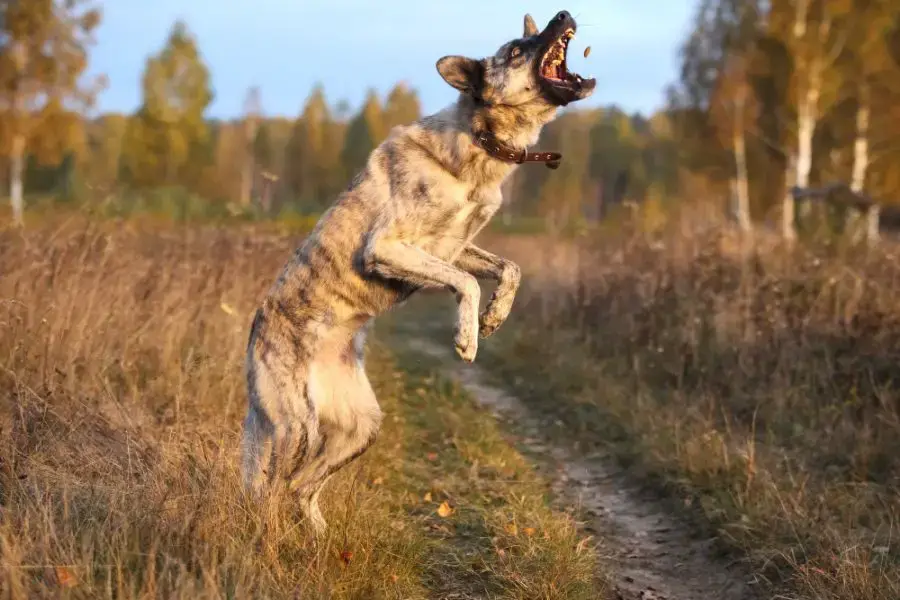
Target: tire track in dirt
[[651, 554]]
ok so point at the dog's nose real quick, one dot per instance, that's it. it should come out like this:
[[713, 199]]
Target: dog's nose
[[563, 15]]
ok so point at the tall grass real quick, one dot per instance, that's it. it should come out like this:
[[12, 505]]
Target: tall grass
[[121, 398], [758, 381]]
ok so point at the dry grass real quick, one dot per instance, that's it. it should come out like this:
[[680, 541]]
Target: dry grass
[[121, 395], [756, 382]]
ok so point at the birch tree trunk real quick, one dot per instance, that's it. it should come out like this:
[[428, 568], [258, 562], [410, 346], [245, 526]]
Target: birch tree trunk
[[861, 147], [806, 129], [861, 163], [16, 171], [788, 231], [742, 185], [17, 150]]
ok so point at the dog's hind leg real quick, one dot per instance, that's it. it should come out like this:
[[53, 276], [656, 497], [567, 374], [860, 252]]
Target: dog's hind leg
[[280, 426], [349, 420]]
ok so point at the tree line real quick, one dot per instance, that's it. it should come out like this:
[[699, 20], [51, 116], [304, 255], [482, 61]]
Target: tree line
[[780, 95], [53, 145]]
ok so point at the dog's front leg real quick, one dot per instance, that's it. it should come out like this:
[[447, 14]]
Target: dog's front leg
[[404, 262], [507, 274]]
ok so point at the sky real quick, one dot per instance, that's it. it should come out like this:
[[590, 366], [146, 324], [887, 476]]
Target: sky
[[286, 46]]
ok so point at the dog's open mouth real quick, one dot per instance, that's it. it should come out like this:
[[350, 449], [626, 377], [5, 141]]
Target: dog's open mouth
[[560, 85], [553, 65]]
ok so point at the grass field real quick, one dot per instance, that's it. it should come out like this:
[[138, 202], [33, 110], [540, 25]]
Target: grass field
[[755, 384], [752, 387], [121, 396]]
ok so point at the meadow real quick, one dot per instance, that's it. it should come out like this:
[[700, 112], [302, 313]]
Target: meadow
[[750, 386], [121, 398]]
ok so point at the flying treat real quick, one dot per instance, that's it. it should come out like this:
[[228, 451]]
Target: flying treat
[[587, 51]]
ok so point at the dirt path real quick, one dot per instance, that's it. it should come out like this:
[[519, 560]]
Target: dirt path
[[652, 554]]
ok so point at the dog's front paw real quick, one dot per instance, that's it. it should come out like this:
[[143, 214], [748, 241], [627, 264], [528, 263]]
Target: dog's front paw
[[466, 344], [489, 322]]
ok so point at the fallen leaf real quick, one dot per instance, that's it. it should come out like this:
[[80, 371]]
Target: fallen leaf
[[529, 531], [444, 509], [65, 577], [226, 308], [427, 497], [394, 578], [378, 481], [432, 456], [346, 556], [511, 529]]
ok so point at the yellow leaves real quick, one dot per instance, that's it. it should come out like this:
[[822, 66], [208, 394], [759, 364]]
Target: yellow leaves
[[445, 510], [511, 529], [427, 497], [227, 309], [529, 531]]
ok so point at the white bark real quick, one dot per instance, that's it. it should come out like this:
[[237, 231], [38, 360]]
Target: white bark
[[807, 116], [16, 171], [742, 184], [17, 150], [788, 232], [861, 163], [861, 147], [873, 217]]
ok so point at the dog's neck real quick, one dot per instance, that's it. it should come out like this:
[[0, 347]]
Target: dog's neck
[[513, 126], [449, 138], [460, 123]]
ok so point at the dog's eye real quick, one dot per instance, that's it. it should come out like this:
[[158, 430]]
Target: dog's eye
[[515, 52]]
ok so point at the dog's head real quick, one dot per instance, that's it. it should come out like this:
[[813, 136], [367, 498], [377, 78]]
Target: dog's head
[[526, 70]]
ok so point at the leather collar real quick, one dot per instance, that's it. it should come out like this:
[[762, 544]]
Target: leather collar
[[500, 151]]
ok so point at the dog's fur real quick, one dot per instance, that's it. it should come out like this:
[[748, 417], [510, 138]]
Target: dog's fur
[[405, 223]]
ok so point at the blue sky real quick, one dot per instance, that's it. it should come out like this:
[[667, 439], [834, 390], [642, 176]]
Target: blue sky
[[285, 46]]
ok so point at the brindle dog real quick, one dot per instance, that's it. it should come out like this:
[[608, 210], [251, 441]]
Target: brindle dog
[[405, 223]]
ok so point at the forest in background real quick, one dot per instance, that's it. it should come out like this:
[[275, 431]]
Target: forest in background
[[770, 95]]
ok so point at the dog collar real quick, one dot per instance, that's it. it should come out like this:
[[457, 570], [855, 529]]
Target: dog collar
[[500, 151]]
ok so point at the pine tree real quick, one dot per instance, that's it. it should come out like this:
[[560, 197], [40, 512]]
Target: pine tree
[[313, 152], [402, 107], [168, 139], [364, 133]]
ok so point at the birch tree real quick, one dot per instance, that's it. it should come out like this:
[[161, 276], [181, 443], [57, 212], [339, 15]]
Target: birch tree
[[733, 107], [814, 40], [871, 73], [43, 54]]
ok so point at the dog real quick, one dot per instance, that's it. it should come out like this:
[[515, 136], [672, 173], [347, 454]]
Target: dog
[[405, 223]]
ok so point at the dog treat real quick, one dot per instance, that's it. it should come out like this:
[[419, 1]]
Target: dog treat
[[587, 51]]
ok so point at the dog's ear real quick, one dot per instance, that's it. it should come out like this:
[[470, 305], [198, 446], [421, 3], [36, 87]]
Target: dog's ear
[[530, 27], [465, 74]]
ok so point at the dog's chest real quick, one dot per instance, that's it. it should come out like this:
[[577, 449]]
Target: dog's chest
[[455, 228]]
